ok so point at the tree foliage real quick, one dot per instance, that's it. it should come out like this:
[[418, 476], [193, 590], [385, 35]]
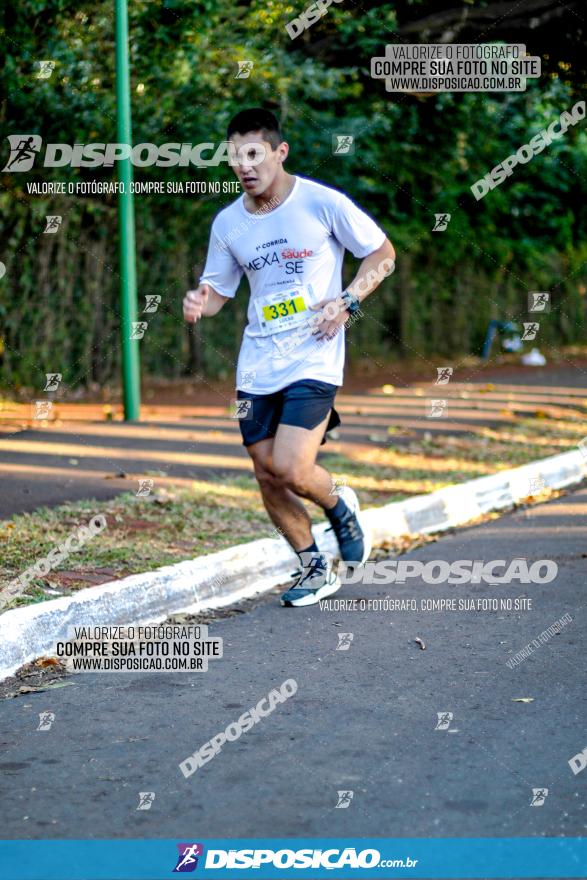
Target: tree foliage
[[415, 155]]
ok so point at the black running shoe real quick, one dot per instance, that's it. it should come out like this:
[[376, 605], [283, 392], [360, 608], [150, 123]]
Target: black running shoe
[[315, 581], [354, 545]]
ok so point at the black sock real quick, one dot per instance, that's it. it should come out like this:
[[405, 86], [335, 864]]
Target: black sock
[[338, 511], [313, 548]]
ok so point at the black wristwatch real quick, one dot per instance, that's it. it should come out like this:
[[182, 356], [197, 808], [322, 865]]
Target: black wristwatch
[[352, 303]]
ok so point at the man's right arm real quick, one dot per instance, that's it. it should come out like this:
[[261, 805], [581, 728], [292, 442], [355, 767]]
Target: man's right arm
[[219, 281], [204, 302]]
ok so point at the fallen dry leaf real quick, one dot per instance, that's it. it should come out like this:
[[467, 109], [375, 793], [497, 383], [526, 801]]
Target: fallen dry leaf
[[25, 689]]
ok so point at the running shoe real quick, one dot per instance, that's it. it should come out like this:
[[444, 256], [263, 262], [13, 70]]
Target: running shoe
[[354, 545], [315, 581]]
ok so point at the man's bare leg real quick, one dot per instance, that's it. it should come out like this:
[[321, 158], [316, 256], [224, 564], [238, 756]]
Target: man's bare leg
[[294, 462], [286, 469], [285, 509]]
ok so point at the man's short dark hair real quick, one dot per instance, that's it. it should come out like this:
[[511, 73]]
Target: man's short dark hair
[[256, 119]]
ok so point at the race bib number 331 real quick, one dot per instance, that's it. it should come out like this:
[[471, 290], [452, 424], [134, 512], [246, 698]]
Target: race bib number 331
[[282, 311], [284, 308]]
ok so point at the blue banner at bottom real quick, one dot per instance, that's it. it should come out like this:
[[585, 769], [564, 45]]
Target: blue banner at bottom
[[268, 859]]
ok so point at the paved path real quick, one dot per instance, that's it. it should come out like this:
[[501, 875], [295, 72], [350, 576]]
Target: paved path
[[77, 454], [362, 720]]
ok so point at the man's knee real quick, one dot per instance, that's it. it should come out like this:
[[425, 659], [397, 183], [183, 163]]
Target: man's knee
[[293, 475], [264, 474]]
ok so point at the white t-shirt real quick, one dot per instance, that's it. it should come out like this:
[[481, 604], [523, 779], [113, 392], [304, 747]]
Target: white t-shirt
[[292, 257]]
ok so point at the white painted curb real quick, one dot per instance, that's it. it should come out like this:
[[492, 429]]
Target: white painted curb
[[250, 569]]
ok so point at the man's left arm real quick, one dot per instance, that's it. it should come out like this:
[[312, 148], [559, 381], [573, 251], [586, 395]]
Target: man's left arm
[[373, 269]]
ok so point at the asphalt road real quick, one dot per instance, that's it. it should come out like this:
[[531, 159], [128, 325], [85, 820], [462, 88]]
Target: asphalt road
[[77, 455], [362, 720]]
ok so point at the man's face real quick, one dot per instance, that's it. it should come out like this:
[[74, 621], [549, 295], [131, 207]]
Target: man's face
[[256, 163]]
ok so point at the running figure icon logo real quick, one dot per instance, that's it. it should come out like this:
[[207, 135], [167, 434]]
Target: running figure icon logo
[[436, 409], [444, 374], [244, 69], [42, 409], [23, 151], [530, 331], [444, 719], [146, 799], [538, 301], [441, 222], [152, 301], [343, 144], [53, 380], [242, 409], [187, 860], [344, 800], [45, 69], [539, 795], [53, 222], [46, 719], [138, 329]]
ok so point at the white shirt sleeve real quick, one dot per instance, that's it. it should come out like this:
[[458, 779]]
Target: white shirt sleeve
[[354, 229], [222, 271]]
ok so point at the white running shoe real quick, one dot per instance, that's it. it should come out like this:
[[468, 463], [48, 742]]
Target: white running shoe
[[316, 580]]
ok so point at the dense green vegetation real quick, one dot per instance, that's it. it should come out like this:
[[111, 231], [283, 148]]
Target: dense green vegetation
[[415, 156]]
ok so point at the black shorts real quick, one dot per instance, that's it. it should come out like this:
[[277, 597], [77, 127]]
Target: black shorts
[[303, 404]]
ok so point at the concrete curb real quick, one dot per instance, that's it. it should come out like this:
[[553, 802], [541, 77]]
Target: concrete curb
[[250, 569]]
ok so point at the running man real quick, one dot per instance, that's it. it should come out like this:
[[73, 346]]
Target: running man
[[288, 235]]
